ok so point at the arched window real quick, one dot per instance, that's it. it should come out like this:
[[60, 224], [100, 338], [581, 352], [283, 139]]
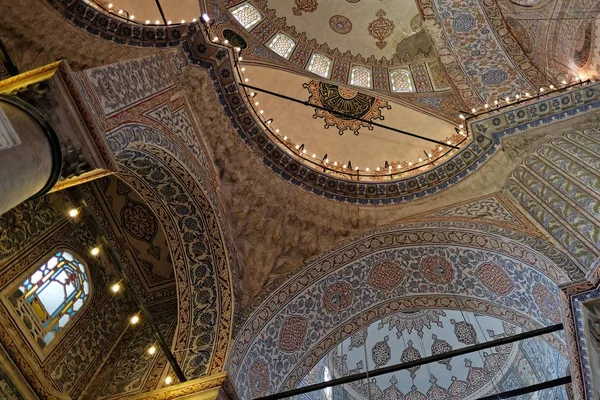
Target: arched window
[[401, 81], [50, 297], [360, 76], [320, 65], [282, 45], [246, 15]]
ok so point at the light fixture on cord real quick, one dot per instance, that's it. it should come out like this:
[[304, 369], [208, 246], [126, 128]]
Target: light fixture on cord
[[168, 380], [134, 320], [152, 350], [95, 251], [73, 212]]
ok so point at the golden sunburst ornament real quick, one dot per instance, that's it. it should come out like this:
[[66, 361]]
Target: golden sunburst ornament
[[346, 106]]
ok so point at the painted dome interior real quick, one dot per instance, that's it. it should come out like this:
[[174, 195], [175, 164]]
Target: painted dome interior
[[343, 139], [367, 27], [408, 336]]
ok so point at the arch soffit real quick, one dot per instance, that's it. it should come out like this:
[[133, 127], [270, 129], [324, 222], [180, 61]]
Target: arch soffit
[[477, 248], [202, 267]]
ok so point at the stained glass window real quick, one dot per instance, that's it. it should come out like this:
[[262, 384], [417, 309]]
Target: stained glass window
[[401, 81], [282, 45], [50, 297], [320, 65], [247, 15], [360, 76]]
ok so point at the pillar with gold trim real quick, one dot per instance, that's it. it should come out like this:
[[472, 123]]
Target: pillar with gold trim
[[49, 137]]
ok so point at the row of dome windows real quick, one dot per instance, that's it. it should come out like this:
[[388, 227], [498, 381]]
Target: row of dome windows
[[248, 16]]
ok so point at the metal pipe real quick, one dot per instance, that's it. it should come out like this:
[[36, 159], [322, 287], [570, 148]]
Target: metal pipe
[[529, 389], [306, 103], [130, 287], [160, 10], [416, 363]]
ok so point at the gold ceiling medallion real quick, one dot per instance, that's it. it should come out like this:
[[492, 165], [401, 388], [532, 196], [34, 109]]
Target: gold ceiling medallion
[[305, 5], [381, 28], [344, 102]]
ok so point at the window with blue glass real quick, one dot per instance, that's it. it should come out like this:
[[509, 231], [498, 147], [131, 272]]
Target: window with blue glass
[[51, 297]]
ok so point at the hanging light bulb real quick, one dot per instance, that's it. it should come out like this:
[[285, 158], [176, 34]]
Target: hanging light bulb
[[551, 86], [116, 288], [134, 320], [168, 380], [152, 350], [461, 116], [73, 212], [95, 251]]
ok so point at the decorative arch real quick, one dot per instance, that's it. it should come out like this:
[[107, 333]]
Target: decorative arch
[[149, 161], [475, 267]]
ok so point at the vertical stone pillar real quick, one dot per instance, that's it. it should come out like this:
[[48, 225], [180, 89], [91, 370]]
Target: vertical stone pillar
[[30, 155], [49, 137]]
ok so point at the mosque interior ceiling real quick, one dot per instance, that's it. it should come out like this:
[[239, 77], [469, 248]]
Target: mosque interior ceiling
[[310, 189]]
